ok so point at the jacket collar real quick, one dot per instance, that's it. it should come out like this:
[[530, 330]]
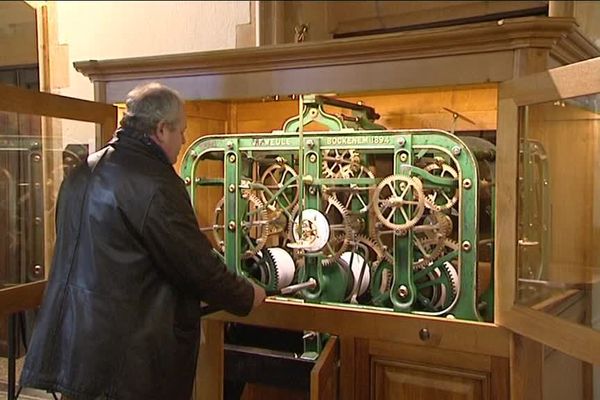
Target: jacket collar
[[139, 141]]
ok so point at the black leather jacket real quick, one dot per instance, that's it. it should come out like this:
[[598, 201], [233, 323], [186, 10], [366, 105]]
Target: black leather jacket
[[120, 316]]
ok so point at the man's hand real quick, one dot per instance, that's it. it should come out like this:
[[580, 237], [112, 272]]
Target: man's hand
[[259, 295]]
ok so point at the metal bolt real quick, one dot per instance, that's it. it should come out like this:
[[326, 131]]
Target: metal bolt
[[312, 158], [37, 269], [450, 316], [193, 154], [312, 190], [401, 141], [456, 150], [37, 158], [403, 157], [230, 145], [403, 291], [231, 188], [188, 181], [467, 183], [310, 143], [38, 220], [232, 158], [424, 334], [197, 180], [232, 225], [466, 245]]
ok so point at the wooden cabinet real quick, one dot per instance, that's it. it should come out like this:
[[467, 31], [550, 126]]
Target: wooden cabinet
[[480, 71]]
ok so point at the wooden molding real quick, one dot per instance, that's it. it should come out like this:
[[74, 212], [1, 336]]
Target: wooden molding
[[510, 34], [394, 327]]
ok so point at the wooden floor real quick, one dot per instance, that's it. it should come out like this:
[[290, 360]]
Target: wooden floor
[[26, 394]]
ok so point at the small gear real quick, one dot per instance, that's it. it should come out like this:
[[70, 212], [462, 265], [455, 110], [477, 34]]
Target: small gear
[[283, 179], [402, 194], [438, 199], [254, 225]]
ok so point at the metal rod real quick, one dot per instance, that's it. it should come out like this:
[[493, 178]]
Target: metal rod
[[309, 284], [12, 356]]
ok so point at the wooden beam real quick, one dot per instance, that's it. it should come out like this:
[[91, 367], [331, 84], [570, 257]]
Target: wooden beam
[[27, 296], [375, 324], [13, 99]]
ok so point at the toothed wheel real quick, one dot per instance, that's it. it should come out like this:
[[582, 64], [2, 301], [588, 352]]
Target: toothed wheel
[[273, 267], [335, 161], [437, 288], [218, 226], [428, 238], [283, 183], [254, 226], [439, 199], [356, 197], [337, 216], [399, 195]]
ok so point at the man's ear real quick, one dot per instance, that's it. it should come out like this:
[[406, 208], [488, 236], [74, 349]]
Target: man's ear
[[160, 131]]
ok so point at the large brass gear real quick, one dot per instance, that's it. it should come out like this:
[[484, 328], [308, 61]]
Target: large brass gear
[[438, 199], [275, 178], [254, 225], [218, 226], [402, 194], [338, 214], [335, 161], [429, 237]]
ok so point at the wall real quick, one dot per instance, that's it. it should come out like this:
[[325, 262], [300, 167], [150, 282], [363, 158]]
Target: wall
[[18, 44], [86, 30]]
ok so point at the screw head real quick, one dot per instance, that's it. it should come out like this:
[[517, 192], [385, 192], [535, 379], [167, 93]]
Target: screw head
[[231, 188], [187, 181], [467, 183], [37, 269], [403, 291], [37, 158], [232, 158], [424, 334], [312, 158], [401, 141], [312, 190], [466, 245], [310, 143], [230, 145], [232, 225], [456, 150], [403, 157]]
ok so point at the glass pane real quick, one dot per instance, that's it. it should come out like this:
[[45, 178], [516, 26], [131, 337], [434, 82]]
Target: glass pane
[[36, 154], [559, 208]]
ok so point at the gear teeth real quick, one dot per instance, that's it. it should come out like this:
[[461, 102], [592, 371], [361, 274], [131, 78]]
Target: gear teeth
[[453, 277], [451, 244], [417, 186], [332, 200], [430, 198], [339, 162], [264, 230], [215, 227], [270, 172]]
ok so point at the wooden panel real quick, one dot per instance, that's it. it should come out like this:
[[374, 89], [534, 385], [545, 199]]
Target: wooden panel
[[209, 376], [526, 369], [400, 380], [414, 109], [22, 297], [562, 377], [256, 391], [324, 375]]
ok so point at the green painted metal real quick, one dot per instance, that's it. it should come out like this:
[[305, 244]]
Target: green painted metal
[[407, 152]]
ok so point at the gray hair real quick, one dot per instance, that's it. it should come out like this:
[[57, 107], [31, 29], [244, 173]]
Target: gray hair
[[149, 104]]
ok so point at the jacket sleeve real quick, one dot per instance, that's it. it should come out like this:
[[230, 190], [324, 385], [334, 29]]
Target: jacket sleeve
[[184, 254]]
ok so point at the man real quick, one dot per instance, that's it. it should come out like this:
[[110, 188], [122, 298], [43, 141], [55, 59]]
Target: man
[[120, 317]]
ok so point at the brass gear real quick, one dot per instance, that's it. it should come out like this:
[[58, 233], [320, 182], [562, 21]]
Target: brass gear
[[388, 199], [334, 161], [332, 253], [255, 225], [275, 177], [218, 226], [432, 201]]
